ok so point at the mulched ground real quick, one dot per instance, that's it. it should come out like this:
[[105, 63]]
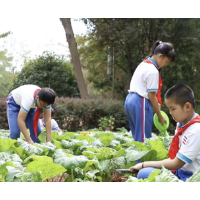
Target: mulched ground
[[60, 178]]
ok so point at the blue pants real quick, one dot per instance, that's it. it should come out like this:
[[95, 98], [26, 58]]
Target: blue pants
[[181, 174], [140, 116], [12, 115]]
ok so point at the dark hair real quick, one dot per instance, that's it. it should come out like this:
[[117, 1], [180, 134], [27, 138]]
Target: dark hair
[[181, 94], [164, 48], [47, 95]]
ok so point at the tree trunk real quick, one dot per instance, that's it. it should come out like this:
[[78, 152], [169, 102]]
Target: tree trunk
[[75, 57]]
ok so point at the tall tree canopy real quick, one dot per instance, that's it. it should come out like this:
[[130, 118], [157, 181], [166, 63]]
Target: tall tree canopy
[[131, 40]]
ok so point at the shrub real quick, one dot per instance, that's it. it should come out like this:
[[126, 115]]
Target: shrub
[[3, 116], [78, 114]]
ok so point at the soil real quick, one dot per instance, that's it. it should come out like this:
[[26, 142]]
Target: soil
[[60, 178]]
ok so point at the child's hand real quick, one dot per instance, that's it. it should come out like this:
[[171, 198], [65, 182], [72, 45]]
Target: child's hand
[[30, 141], [162, 120], [136, 167]]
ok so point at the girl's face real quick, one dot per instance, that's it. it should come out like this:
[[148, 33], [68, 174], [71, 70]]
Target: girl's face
[[179, 113], [163, 60]]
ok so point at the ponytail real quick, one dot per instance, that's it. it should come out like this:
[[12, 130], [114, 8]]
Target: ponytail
[[153, 48], [163, 48]]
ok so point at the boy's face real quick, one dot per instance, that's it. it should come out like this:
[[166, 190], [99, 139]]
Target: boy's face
[[179, 113], [41, 104]]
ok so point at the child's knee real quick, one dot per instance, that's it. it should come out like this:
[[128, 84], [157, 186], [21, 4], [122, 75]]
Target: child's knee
[[14, 134], [145, 172]]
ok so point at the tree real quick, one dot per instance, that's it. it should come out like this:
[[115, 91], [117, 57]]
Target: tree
[[75, 57], [4, 35], [49, 70], [132, 40], [5, 75]]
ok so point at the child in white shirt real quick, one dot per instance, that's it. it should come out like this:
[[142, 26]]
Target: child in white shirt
[[184, 153], [23, 109], [54, 124]]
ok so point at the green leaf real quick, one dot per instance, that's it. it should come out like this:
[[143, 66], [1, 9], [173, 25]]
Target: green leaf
[[132, 155], [4, 171], [20, 151], [91, 163], [118, 163], [69, 161], [57, 144], [105, 165], [31, 149], [195, 177], [6, 144], [14, 158], [141, 146], [47, 169], [73, 145], [166, 176], [159, 147], [120, 153], [106, 138], [85, 137], [48, 148], [37, 158], [16, 175], [151, 155]]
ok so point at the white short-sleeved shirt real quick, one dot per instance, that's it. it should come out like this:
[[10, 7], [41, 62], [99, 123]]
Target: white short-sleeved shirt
[[24, 97], [145, 79], [54, 124], [189, 144]]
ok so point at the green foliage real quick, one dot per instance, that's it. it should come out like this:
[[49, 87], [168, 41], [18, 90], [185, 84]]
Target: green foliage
[[6, 75], [94, 162], [106, 122], [132, 39], [3, 116], [49, 70], [4, 34], [79, 114]]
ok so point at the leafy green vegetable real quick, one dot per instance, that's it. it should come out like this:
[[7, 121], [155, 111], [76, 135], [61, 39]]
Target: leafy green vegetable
[[47, 169], [69, 161], [37, 158], [31, 149], [6, 144], [16, 175]]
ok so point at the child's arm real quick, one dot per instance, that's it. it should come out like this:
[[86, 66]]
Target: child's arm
[[59, 131], [47, 118], [56, 127], [154, 103], [21, 122], [173, 164]]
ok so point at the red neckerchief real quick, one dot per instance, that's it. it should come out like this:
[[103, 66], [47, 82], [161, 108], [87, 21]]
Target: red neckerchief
[[160, 84], [174, 147], [37, 115]]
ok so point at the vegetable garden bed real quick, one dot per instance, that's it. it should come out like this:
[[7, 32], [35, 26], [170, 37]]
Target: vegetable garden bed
[[74, 157]]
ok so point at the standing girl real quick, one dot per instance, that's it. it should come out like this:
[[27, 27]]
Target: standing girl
[[23, 108], [145, 91]]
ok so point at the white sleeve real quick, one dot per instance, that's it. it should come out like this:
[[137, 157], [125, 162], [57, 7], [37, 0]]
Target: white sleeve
[[152, 82], [26, 103], [190, 144], [54, 124]]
